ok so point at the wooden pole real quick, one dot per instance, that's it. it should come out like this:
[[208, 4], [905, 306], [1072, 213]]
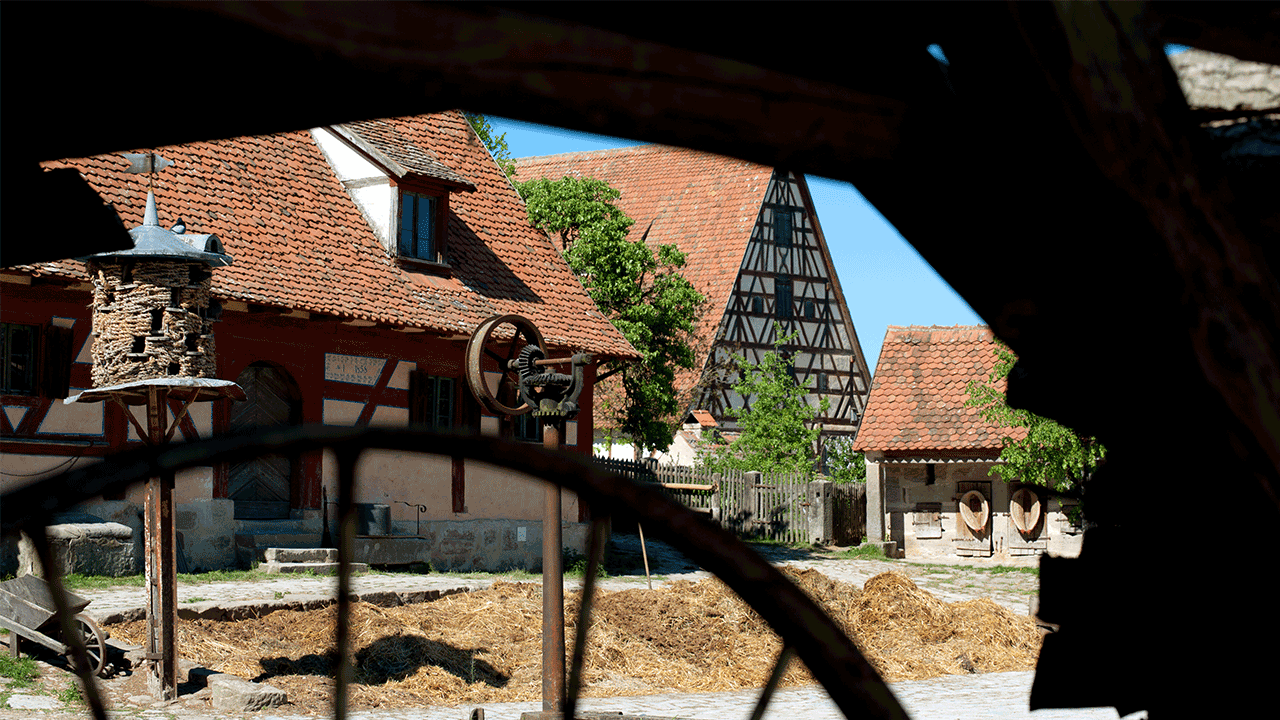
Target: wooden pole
[[552, 587], [644, 553], [161, 570]]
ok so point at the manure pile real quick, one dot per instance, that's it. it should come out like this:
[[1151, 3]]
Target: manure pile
[[485, 646]]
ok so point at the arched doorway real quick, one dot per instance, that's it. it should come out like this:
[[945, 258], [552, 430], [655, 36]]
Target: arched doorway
[[264, 487]]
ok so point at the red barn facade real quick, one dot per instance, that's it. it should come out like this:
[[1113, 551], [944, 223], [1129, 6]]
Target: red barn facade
[[364, 257]]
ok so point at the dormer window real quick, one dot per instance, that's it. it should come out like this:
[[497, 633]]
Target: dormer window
[[419, 226]]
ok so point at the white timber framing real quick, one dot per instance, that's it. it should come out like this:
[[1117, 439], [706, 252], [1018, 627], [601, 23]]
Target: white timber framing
[[826, 353]]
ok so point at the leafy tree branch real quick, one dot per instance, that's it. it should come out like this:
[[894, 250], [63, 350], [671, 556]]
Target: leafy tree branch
[[777, 435], [496, 144], [642, 292], [1050, 455]]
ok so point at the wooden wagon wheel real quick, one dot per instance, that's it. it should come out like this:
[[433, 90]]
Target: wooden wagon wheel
[[806, 630], [95, 643], [488, 353]]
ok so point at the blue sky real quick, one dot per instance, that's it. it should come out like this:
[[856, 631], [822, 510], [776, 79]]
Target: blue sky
[[885, 280]]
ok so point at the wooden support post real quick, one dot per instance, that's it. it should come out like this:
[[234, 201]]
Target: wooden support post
[[552, 586], [161, 570]]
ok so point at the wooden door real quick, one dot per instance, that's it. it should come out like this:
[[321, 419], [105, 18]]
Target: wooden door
[[262, 488]]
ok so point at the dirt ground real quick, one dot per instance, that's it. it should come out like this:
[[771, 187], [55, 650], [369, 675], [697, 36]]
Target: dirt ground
[[485, 646]]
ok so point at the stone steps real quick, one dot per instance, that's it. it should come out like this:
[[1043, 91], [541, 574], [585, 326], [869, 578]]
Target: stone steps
[[321, 561]]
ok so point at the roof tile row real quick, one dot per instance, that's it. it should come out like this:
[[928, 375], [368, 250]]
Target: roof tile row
[[301, 242], [920, 388]]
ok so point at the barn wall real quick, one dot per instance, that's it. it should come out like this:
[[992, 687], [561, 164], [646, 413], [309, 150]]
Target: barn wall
[[345, 375], [925, 520]]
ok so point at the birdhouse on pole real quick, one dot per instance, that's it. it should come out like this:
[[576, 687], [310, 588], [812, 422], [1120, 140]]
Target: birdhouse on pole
[[153, 311], [153, 342]]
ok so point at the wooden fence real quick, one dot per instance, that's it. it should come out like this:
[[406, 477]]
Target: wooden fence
[[785, 508]]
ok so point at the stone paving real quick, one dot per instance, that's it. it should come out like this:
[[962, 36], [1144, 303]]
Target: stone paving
[[997, 696]]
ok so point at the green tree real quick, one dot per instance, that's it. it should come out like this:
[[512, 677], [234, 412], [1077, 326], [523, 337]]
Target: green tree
[[1050, 455], [843, 464], [776, 433], [496, 144], [641, 292]]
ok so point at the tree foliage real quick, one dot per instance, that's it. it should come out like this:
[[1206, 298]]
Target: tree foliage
[[776, 436], [642, 292], [1050, 455], [843, 464], [496, 144]]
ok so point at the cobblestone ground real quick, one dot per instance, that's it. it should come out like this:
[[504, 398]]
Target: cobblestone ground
[[996, 696]]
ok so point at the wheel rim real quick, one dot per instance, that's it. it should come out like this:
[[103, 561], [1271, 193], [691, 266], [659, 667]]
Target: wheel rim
[[95, 643], [807, 632], [485, 354]]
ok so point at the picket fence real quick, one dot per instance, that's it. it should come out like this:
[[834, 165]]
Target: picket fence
[[781, 507]]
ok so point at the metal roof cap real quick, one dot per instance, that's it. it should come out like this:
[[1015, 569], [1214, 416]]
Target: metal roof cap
[[152, 241]]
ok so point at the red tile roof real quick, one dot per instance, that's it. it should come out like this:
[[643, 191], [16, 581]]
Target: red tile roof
[[386, 140], [705, 204], [920, 387], [704, 418], [299, 240]]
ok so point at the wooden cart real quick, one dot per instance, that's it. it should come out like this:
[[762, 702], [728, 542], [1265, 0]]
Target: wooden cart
[[28, 611]]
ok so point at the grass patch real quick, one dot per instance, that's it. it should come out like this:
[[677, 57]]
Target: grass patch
[[512, 575], [994, 569], [71, 694], [76, 581], [1006, 569], [21, 672], [866, 551]]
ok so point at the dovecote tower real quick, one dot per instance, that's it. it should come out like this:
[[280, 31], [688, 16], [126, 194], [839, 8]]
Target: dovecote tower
[[153, 312]]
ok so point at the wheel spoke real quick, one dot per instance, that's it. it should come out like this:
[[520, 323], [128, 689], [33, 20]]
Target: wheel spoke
[[515, 345], [775, 677], [595, 552], [806, 630], [80, 661], [347, 457]]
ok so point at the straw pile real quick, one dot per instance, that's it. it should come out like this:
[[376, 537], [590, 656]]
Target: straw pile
[[485, 646], [907, 634]]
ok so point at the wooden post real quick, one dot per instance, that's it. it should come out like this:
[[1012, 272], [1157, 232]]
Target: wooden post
[[552, 586], [161, 575]]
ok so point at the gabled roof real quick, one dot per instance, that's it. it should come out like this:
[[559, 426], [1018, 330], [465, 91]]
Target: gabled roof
[[300, 242], [920, 388], [704, 204]]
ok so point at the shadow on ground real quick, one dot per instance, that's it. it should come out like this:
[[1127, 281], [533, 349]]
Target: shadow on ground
[[394, 657], [624, 556]]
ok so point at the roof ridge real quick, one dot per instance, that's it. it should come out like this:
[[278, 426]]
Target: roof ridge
[[924, 334], [628, 149]]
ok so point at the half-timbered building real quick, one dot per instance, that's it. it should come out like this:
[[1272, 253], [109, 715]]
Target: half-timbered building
[[755, 249], [365, 256]]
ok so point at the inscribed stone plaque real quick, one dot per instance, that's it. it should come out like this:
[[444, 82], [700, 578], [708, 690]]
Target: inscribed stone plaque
[[352, 368]]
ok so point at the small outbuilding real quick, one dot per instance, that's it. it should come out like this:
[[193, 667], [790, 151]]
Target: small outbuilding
[[929, 457]]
